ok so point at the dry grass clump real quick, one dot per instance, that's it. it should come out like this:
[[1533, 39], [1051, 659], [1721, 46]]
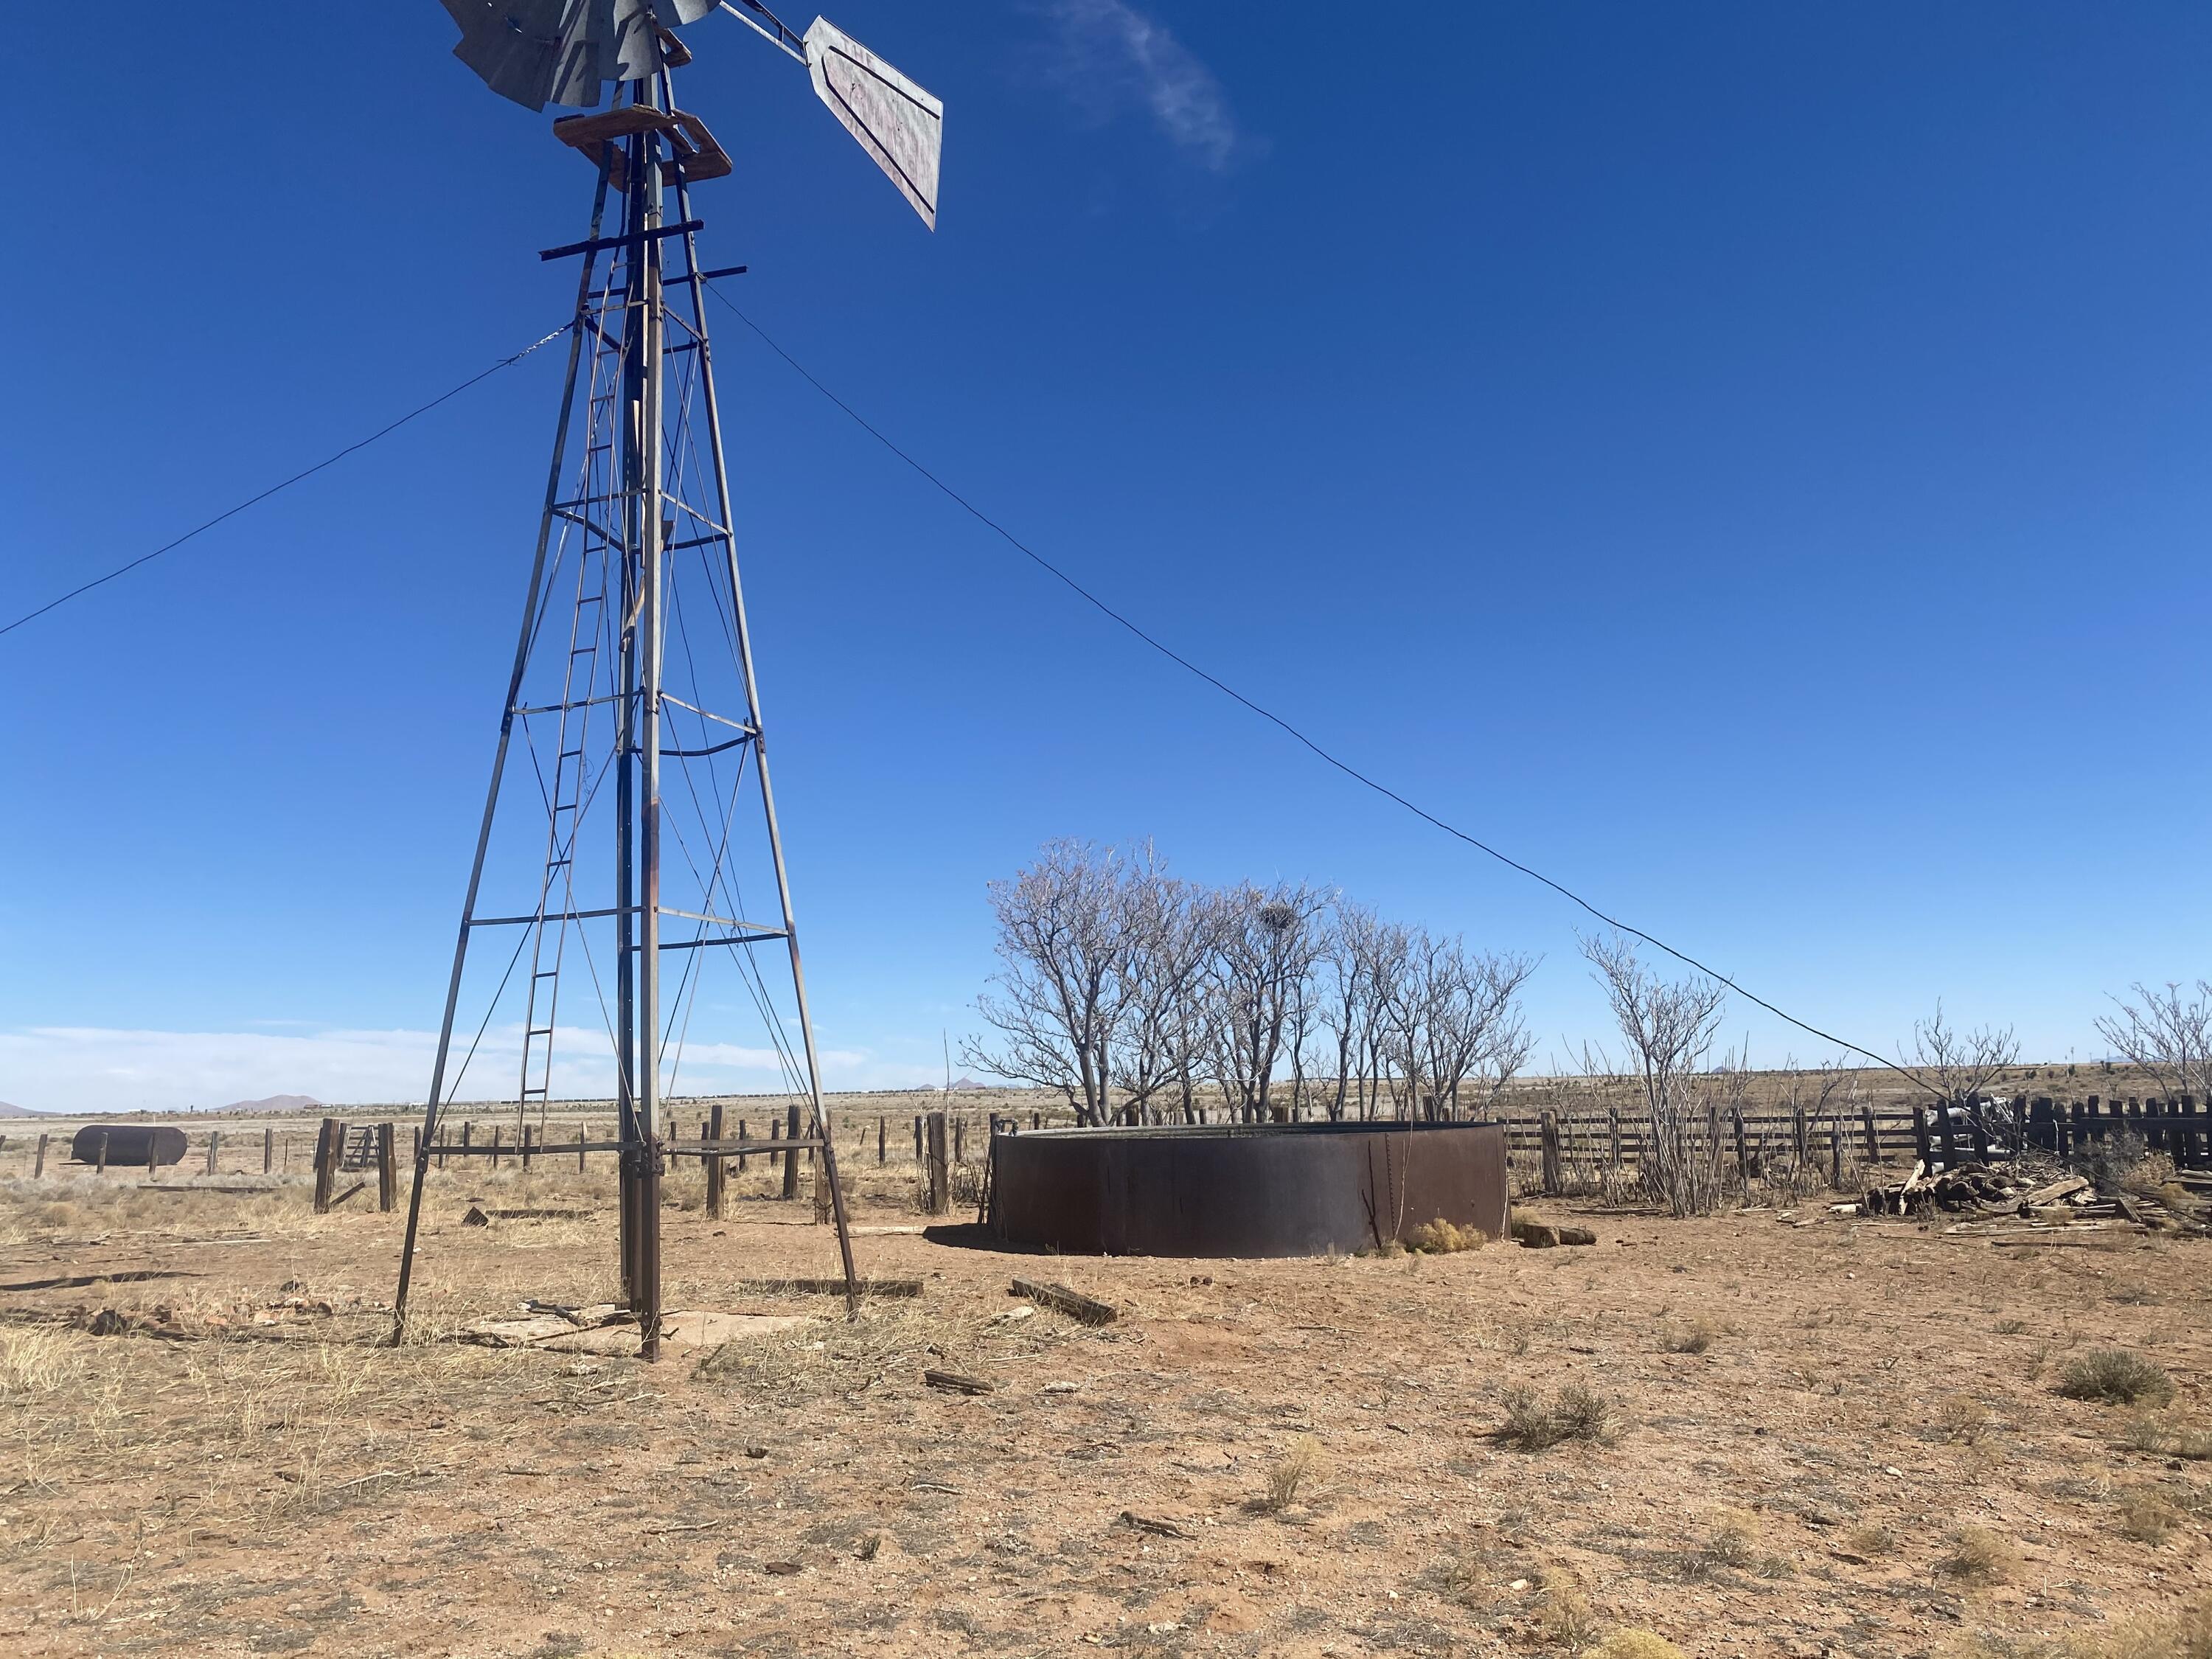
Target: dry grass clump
[[1870, 1541], [1978, 1556], [2146, 1518], [2160, 1436], [1962, 1418], [1635, 1644], [2113, 1377], [1441, 1237], [1564, 1618], [2009, 1326], [1534, 1423], [1733, 1539], [37, 1359], [1289, 1473], [2184, 1635], [1694, 1338]]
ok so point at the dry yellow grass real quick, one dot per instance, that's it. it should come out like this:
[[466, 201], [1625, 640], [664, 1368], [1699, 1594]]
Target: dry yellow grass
[[1636, 1644], [1979, 1556], [1441, 1237]]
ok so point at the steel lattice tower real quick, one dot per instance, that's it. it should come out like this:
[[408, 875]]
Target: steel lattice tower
[[631, 751]]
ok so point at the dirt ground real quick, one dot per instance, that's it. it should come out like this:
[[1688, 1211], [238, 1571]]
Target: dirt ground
[[1838, 1438]]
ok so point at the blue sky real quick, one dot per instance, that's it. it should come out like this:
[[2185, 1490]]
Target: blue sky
[[1746, 461]]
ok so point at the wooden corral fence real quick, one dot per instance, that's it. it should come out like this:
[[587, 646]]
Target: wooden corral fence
[[1559, 1146], [1558, 1143]]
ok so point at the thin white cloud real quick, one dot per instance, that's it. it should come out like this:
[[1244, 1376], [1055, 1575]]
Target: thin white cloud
[[88, 1069], [1109, 53]]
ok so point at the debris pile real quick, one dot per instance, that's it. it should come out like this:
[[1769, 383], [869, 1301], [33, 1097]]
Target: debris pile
[[1979, 1190]]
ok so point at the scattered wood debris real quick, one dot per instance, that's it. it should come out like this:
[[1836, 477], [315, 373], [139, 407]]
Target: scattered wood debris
[[959, 1383], [1978, 1190], [1084, 1309], [1152, 1524], [1532, 1234]]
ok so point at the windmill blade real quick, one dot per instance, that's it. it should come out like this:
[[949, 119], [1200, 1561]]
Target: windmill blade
[[562, 51], [896, 121]]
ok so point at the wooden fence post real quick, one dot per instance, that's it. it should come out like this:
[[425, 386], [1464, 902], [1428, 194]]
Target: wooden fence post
[[1548, 1130], [918, 1158], [1801, 1136], [214, 1142], [1613, 1140], [940, 1168], [38, 1167], [712, 1130], [1923, 1150], [387, 1167], [1835, 1154], [883, 1139], [959, 1140], [1873, 1140], [528, 1137], [496, 1135], [1742, 1156], [790, 1151], [327, 1163], [582, 1135], [268, 1151], [744, 1135]]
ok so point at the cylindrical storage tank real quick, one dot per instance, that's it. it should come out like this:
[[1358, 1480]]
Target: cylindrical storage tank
[[1245, 1189], [148, 1144]]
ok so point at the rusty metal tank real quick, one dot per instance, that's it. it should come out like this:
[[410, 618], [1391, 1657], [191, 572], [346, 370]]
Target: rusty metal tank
[[149, 1143], [1244, 1189]]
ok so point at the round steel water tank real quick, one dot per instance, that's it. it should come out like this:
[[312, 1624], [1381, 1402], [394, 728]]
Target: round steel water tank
[[1245, 1189]]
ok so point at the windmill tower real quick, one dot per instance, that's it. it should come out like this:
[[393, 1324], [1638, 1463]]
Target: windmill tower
[[628, 855]]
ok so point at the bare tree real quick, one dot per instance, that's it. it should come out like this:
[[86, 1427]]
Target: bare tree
[[2166, 1036], [1268, 943], [1961, 1062], [1364, 959], [1669, 1029], [1454, 1016], [1169, 929], [1061, 951]]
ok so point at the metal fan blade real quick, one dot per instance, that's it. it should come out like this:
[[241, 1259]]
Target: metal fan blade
[[563, 51], [896, 121]]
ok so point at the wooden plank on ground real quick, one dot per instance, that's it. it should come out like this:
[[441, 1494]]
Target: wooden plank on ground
[[1085, 1309]]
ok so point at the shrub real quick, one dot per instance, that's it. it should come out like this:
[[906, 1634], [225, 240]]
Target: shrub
[[1978, 1556], [2148, 1518], [1694, 1339], [1963, 1418], [2113, 1377], [1563, 1618], [1534, 1423], [1440, 1237], [2184, 1635]]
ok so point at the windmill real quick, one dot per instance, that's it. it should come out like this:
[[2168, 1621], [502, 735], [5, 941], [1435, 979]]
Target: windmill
[[630, 815]]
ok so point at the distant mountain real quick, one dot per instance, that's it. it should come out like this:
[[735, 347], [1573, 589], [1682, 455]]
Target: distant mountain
[[6, 1110], [274, 1103], [967, 1084]]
